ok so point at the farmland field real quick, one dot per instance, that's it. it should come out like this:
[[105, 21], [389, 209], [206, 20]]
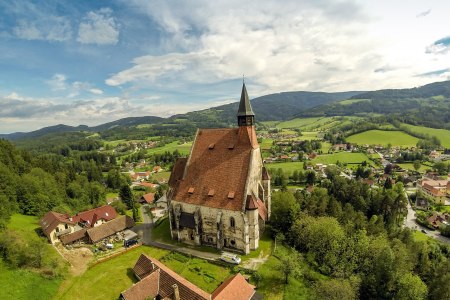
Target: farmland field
[[343, 157], [442, 134], [288, 167], [375, 137], [182, 148]]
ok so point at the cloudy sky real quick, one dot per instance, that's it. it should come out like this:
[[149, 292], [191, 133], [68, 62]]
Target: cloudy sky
[[90, 62]]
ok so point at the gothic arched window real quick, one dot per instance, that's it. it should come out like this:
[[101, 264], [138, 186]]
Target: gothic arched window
[[232, 222]]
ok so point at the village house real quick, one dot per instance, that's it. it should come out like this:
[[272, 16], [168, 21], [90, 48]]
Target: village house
[[89, 226], [147, 198], [156, 281], [438, 190], [220, 194], [55, 225]]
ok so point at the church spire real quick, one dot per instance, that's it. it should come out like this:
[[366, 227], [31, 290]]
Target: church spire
[[245, 114]]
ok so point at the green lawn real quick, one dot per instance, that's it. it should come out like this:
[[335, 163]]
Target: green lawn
[[420, 236], [375, 137], [410, 166], [343, 157], [182, 148], [164, 175], [25, 284], [308, 135], [442, 134], [287, 167], [266, 144]]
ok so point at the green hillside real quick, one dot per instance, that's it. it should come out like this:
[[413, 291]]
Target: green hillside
[[381, 137]]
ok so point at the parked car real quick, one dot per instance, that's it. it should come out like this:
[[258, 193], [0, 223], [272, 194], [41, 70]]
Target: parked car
[[230, 258], [109, 246], [129, 243], [424, 231]]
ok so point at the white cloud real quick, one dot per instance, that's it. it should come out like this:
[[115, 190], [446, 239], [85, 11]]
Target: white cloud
[[58, 82], [322, 45], [99, 28], [96, 91], [50, 28]]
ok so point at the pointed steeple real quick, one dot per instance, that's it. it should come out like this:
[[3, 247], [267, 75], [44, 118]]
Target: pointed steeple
[[246, 116]]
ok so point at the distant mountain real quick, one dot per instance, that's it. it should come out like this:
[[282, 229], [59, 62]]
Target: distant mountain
[[273, 107], [279, 106], [132, 121], [428, 105]]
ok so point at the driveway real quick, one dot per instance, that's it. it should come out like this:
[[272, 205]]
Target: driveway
[[411, 223], [144, 231]]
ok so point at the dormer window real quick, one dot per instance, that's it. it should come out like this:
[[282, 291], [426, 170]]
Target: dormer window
[[211, 146], [191, 190], [230, 195], [211, 193]]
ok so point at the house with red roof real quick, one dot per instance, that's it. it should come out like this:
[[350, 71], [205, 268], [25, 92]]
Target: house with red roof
[[220, 195], [147, 198], [56, 225], [156, 281]]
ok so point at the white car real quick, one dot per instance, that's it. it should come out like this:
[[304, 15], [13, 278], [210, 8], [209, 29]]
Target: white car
[[230, 258]]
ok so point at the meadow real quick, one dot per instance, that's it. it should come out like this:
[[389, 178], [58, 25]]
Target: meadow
[[343, 157], [27, 283], [380, 137], [442, 134], [182, 148]]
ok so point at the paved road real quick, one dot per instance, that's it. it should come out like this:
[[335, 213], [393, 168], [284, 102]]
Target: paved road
[[410, 222], [144, 231]]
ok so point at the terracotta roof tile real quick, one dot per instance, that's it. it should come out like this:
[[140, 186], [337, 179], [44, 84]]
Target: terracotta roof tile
[[221, 169], [177, 171], [148, 198], [147, 288], [52, 219], [236, 288], [143, 267], [106, 212]]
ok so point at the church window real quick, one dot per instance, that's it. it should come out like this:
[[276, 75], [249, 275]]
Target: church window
[[232, 242], [232, 222], [66, 226]]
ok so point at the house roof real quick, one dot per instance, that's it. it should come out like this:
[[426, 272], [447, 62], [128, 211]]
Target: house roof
[[52, 219], [147, 288], [177, 171], [74, 236], [149, 198], [149, 184], [223, 168], [106, 212], [166, 279], [235, 287], [109, 228]]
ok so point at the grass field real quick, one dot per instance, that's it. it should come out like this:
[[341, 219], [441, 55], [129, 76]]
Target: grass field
[[23, 283], [266, 144], [287, 167], [409, 166], [343, 157], [297, 123], [375, 137], [183, 148], [442, 134], [161, 176]]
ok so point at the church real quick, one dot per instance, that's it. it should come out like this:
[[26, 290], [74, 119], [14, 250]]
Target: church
[[220, 195]]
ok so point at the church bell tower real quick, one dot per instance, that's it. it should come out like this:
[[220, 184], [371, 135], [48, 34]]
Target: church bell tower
[[245, 114]]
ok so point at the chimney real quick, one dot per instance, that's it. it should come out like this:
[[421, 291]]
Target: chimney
[[176, 292]]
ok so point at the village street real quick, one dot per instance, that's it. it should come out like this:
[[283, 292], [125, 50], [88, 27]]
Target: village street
[[144, 231], [410, 222]]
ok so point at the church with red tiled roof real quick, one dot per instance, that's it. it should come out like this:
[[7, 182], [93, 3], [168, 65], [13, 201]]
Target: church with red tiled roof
[[220, 194]]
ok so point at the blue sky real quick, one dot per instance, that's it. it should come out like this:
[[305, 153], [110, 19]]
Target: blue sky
[[90, 62]]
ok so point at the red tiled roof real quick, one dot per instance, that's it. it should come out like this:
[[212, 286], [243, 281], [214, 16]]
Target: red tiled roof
[[149, 198], [223, 169], [177, 172], [167, 278], [52, 219], [106, 212], [236, 288], [262, 210], [147, 288], [148, 184]]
